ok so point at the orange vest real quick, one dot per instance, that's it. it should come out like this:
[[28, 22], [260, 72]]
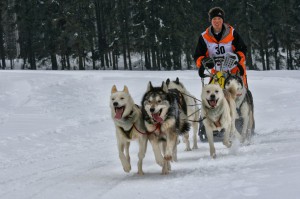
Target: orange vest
[[218, 48]]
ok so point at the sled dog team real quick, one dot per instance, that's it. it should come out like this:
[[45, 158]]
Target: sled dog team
[[169, 110]]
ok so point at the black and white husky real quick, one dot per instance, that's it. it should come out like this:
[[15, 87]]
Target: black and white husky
[[165, 118], [129, 125], [245, 123], [192, 110]]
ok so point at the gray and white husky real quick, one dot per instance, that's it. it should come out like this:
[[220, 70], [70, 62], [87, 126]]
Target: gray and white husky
[[245, 123], [164, 119], [129, 126], [192, 110]]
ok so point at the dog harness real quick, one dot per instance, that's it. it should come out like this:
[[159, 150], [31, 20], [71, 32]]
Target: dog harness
[[127, 134]]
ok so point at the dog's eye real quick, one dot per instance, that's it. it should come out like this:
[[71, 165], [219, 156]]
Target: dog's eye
[[207, 92], [217, 91], [112, 99], [159, 101], [122, 98]]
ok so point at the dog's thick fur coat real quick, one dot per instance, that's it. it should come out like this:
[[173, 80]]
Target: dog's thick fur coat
[[164, 120], [219, 111], [192, 110], [129, 126], [245, 123]]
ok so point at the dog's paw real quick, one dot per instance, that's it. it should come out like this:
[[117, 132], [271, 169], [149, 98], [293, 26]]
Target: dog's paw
[[195, 147], [141, 173], [165, 172], [187, 149], [214, 156], [127, 168], [227, 144]]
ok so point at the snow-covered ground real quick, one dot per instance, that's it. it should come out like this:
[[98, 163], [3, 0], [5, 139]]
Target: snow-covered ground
[[57, 140]]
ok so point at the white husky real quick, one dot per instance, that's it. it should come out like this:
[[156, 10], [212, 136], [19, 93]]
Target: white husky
[[219, 113], [129, 125], [192, 111]]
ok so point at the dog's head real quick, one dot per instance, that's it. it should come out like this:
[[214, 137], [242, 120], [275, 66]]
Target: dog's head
[[155, 102], [235, 81], [212, 95], [121, 102], [175, 85]]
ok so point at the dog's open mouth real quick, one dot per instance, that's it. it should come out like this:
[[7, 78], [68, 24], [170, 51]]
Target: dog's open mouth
[[156, 116], [212, 103], [119, 112]]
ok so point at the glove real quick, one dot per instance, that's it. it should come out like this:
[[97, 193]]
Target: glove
[[208, 62], [201, 72]]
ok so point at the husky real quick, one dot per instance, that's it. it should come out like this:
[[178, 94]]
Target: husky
[[129, 126], [192, 110], [164, 119], [218, 110], [245, 123]]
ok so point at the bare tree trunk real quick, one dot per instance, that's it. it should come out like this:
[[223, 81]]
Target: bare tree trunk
[[276, 50], [53, 61], [2, 50], [267, 58], [100, 31]]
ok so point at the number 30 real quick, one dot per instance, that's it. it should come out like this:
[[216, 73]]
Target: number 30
[[220, 50]]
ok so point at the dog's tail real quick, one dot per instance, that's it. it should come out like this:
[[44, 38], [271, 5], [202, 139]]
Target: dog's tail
[[185, 128]]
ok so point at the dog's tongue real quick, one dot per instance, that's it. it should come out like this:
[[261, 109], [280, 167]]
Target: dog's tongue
[[119, 113], [157, 117], [213, 103]]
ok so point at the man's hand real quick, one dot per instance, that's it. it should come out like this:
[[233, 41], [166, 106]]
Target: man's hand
[[201, 72], [208, 62]]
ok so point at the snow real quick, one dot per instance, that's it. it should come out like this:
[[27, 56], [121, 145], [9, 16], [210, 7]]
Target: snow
[[57, 140]]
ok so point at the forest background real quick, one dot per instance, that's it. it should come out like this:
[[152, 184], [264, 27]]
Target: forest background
[[141, 34]]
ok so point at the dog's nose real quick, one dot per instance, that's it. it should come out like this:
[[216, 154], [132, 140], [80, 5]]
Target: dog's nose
[[152, 110], [212, 97], [115, 103]]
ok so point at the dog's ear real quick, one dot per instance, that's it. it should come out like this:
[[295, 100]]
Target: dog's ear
[[177, 80], [125, 89], [114, 89], [168, 81], [164, 87], [149, 87]]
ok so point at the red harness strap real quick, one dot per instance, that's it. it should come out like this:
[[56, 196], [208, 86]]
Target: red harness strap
[[158, 125]]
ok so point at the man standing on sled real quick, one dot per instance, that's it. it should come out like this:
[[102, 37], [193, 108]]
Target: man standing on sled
[[217, 40]]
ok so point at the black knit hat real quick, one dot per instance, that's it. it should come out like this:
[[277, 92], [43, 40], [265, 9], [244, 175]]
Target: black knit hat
[[216, 12]]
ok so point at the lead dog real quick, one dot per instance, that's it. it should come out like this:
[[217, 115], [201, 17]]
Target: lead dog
[[192, 110], [245, 123], [129, 126], [219, 114], [164, 120]]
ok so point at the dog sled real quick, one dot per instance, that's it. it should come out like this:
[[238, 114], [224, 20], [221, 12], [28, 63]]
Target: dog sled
[[227, 61]]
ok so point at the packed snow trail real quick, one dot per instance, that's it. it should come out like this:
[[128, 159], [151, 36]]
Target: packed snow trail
[[57, 140]]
